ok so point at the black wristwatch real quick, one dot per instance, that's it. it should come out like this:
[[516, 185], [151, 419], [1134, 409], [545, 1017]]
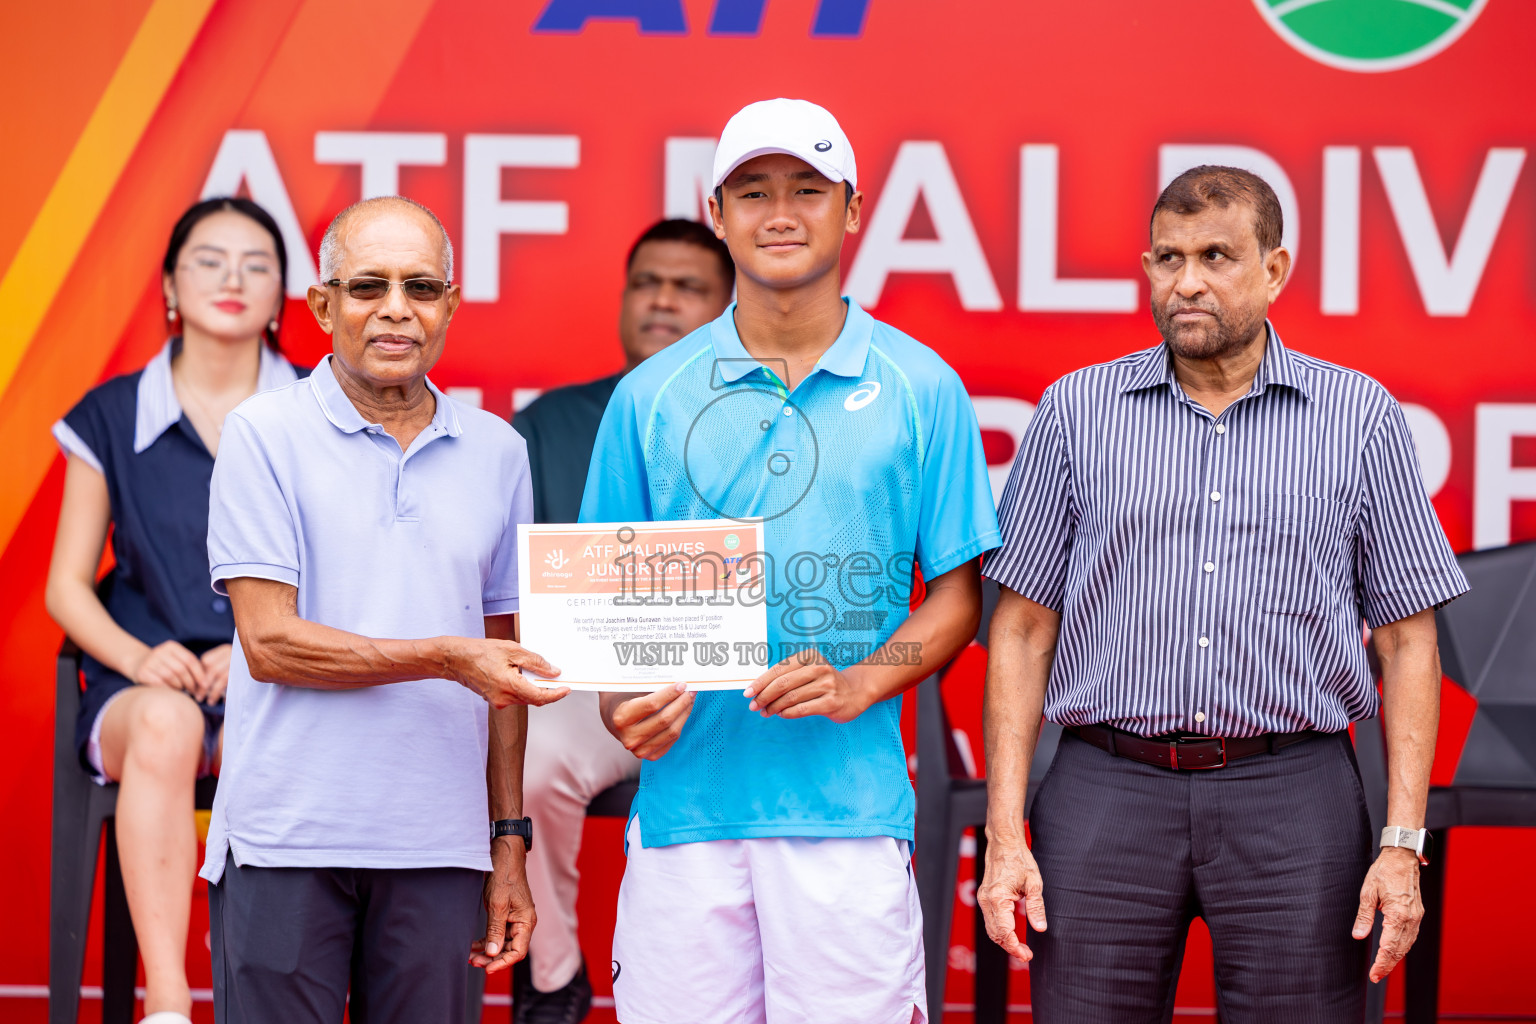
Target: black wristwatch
[[514, 827]]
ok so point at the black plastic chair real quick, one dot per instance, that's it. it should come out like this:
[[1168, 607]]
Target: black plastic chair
[[81, 809]]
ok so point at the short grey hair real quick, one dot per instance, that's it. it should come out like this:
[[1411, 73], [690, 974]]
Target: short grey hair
[[330, 245]]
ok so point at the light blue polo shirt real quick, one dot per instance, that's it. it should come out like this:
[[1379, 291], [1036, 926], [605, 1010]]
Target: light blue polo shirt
[[872, 463], [382, 543]]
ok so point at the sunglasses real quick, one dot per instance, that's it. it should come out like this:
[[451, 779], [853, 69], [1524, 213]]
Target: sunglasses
[[372, 289]]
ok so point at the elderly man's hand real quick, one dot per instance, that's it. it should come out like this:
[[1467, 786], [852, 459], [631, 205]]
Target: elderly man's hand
[[1011, 876], [493, 669], [509, 908], [1393, 885]]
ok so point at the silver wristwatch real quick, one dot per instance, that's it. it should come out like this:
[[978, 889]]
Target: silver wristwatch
[[1416, 840]]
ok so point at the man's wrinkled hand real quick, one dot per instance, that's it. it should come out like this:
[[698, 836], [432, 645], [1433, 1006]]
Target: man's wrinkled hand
[[1392, 885], [806, 684], [494, 670], [648, 725], [1011, 876], [508, 907]]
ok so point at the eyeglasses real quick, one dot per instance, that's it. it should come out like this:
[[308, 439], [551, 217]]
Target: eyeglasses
[[211, 272], [372, 289]]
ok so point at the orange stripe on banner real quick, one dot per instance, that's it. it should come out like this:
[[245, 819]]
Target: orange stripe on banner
[[61, 67], [77, 197], [256, 65]]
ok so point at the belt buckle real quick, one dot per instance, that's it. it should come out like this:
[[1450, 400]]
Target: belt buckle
[[1173, 756]]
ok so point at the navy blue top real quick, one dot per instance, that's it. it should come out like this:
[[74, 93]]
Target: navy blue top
[[560, 427], [132, 429]]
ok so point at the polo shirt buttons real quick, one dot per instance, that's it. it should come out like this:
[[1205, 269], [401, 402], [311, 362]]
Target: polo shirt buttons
[[220, 605], [1205, 641], [1215, 495], [789, 410], [1210, 567], [1221, 428], [1199, 716]]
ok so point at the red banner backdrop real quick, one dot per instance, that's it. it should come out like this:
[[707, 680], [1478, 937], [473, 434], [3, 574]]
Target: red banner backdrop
[[1010, 151]]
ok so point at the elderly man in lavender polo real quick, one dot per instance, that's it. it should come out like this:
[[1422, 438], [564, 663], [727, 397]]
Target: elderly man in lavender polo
[[364, 525], [1193, 535]]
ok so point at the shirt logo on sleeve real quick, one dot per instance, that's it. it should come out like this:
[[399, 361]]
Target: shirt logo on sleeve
[[866, 392]]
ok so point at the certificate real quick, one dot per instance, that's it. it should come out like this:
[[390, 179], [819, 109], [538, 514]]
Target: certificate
[[639, 606]]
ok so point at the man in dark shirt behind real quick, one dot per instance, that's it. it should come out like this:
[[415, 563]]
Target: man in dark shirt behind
[[679, 278]]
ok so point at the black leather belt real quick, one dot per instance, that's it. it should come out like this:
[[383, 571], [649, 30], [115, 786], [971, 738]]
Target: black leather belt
[[1186, 753]]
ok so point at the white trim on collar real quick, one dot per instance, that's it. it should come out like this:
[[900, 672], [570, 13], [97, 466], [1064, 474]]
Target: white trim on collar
[[158, 409]]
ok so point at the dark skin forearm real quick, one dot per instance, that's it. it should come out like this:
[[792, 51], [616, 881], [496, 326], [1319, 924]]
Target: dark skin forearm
[[1410, 684], [1021, 646], [508, 739], [510, 916], [282, 647]]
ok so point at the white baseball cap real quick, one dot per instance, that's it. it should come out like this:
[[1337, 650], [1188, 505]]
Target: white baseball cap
[[797, 127]]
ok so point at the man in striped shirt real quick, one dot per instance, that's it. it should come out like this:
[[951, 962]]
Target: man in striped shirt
[[1193, 535]]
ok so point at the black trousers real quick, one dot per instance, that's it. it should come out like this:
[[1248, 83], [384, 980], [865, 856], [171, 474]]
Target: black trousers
[[288, 944], [1271, 851]]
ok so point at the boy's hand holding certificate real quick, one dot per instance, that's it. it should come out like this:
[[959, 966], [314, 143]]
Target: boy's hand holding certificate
[[638, 606]]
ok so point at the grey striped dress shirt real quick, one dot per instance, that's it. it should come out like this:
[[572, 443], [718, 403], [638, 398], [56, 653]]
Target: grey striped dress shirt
[[1212, 572]]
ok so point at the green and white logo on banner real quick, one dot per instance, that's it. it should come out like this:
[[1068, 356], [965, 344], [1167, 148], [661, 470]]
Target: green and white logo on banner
[[1370, 35]]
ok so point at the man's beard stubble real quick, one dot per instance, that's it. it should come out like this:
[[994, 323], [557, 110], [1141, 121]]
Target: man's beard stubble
[[1232, 330]]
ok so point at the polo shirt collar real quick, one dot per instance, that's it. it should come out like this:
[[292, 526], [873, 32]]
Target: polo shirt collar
[[1277, 367], [338, 408], [845, 357], [158, 410]]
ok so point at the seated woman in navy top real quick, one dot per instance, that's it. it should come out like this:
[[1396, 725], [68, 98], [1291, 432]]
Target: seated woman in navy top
[[140, 452]]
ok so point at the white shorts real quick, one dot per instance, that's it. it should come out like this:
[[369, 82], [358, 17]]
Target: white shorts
[[212, 730], [769, 931]]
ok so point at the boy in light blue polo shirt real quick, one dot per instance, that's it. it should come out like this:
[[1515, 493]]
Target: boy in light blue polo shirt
[[768, 847]]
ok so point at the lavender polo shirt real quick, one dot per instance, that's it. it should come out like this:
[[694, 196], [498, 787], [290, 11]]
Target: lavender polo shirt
[[382, 543]]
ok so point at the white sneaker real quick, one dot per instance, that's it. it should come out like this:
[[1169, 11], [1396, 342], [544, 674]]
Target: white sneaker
[[166, 1017]]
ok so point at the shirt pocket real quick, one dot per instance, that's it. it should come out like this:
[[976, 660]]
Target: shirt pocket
[[1304, 540]]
